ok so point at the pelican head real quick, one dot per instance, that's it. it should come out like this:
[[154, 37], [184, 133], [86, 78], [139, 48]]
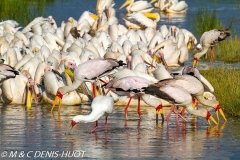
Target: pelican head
[[128, 2], [71, 20]]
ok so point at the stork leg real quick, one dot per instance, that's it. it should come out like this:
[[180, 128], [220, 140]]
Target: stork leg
[[182, 112], [177, 120], [169, 114], [93, 90], [106, 124], [212, 57], [139, 111], [126, 108], [96, 127]]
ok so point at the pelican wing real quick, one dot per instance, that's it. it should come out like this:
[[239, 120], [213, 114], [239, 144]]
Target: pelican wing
[[139, 17], [180, 6]]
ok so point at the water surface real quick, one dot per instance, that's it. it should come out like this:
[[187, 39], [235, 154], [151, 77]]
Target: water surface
[[36, 129]]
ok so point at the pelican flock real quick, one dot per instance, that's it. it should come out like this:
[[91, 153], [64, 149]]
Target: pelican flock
[[91, 58]]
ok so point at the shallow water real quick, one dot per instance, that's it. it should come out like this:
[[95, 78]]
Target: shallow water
[[37, 130]]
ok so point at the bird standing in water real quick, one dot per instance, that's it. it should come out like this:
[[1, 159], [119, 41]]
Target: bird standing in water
[[87, 71], [101, 105]]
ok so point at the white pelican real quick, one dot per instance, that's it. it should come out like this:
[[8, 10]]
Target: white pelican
[[102, 5], [138, 6], [176, 7], [143, 18], [87, 71], [101, 105], [208, 40]]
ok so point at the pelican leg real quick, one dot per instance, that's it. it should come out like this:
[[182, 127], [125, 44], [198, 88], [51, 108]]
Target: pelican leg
[[139, 111], [96, 127], [126, 108]]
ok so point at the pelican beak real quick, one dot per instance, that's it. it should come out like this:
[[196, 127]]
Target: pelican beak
[[209, 117], [94, 16], [189, 45], [164, 62], [69, 72], [195, 62], [125, 4], [59, 96], [29, 98], [34, 94], [107, 13], [151, 15], [152, 1], [219, 109]]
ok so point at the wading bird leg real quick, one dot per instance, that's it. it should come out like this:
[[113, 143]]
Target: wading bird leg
[[126, 108], [182, 111], [106, 124], [169, 114], [139, 111], [176, 111], [96, 127]]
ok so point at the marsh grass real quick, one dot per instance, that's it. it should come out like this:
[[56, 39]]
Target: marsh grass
[[23, 11], [206, 20], [227, 87]]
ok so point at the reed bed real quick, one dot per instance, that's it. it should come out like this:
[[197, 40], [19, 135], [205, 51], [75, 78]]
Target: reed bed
[[23, 11], [206, 20], [228, 50], [227, 87]]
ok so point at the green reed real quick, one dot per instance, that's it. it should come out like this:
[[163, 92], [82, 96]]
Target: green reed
[[228, 50], [227, 87], [23, 11], [206, 20]]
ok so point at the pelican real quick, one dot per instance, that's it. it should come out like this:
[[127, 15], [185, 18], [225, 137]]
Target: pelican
[[87, 71], [101, 105], [102, 5], [7, 72], [208, 40], [139, 6], [176, 7], [143, 18]]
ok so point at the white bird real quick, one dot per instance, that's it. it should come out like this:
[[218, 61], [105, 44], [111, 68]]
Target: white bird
[[139, 6], [208, 40], [176, 7], [143, 18], [101, 105]]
